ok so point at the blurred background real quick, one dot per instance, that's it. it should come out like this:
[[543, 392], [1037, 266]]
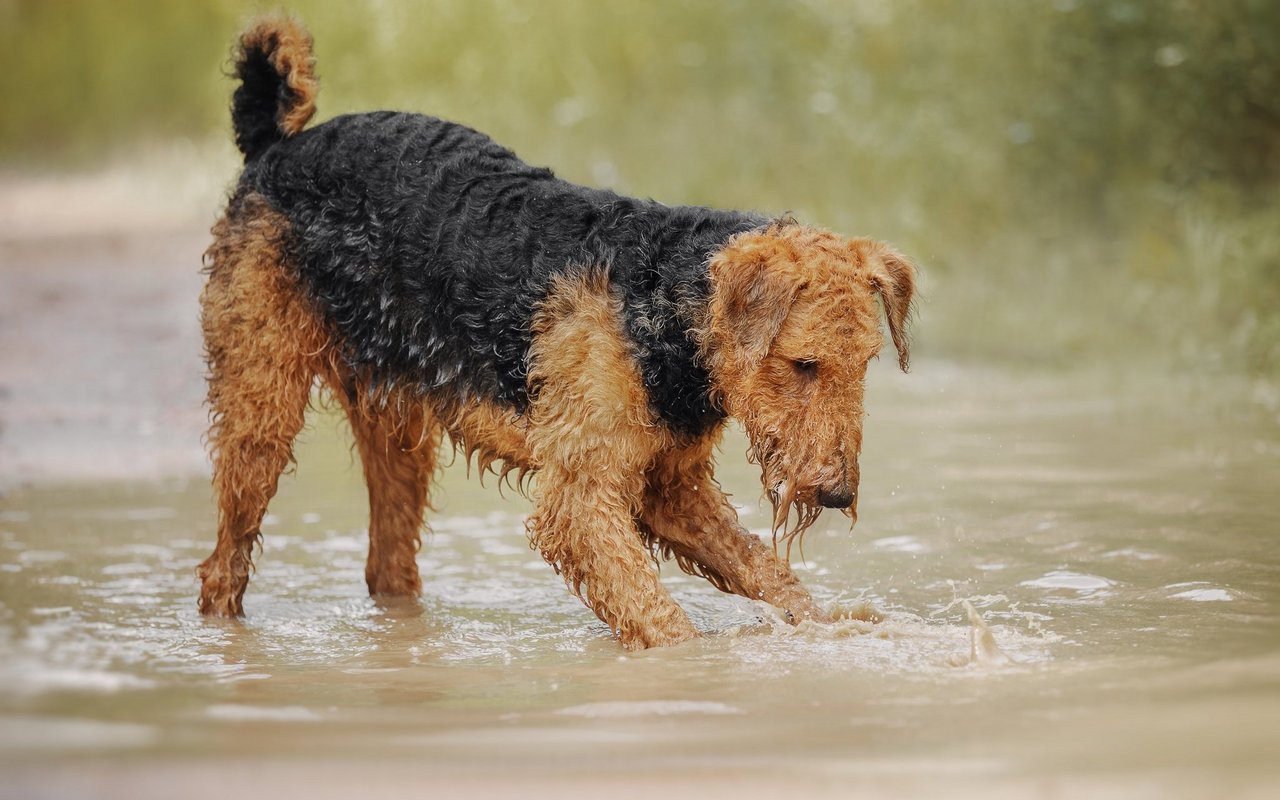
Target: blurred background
[[1087, 449], [1081, 180]]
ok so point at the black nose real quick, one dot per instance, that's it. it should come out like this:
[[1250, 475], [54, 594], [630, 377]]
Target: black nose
[[837, 497]]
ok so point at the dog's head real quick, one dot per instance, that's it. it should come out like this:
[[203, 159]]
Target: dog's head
[[791, 325]]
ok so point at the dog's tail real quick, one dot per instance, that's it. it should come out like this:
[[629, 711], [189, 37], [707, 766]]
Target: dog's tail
[[277, 92]]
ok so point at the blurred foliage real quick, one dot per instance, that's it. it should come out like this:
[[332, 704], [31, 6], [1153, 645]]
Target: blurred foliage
[[1079, 178]]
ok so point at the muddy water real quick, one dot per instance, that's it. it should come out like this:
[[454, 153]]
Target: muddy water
[[1116, 540]]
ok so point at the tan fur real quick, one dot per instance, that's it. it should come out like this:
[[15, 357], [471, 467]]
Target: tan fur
[[398, 444], [794, 294], [489, 434], [687, 517], [614, 489], [592, 436], [264, 346], [289, 45]]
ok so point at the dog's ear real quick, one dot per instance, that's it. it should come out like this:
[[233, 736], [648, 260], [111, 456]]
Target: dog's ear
[[751, 297], [894, 277]]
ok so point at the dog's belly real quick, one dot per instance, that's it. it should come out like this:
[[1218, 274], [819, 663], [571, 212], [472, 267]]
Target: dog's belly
[[488, 431]]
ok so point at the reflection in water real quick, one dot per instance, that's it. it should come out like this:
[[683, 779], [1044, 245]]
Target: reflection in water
[[1092, 576]]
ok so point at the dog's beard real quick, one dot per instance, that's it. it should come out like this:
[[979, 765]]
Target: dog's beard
[[792, 516], [793, 512]]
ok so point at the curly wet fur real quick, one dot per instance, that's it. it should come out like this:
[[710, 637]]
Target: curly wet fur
[[277, 92], [788, 333], [439, 287], [430, 247]]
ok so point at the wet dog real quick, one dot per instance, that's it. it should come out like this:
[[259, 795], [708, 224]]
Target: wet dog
[[439, 287]]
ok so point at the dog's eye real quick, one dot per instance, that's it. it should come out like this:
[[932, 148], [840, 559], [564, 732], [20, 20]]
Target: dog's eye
[[806, 367]]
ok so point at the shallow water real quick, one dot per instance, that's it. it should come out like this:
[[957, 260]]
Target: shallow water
[[1116, 538]]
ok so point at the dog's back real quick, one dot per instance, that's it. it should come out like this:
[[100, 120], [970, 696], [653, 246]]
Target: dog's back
[[430, 247]]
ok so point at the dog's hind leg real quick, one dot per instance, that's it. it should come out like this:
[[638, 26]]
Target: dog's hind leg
[[398, 442], [688, 517], [264, 345]]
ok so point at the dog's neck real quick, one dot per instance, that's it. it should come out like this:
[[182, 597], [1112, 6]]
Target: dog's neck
[[665, 290]]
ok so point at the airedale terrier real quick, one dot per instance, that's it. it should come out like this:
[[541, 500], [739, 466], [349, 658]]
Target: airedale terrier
[[439, 286]]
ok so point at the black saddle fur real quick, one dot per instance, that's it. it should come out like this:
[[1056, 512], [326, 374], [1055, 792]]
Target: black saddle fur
[[429, 247]]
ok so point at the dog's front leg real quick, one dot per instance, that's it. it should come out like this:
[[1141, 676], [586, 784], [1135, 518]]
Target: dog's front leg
[[583, 524], [592, 436], [686, 515]]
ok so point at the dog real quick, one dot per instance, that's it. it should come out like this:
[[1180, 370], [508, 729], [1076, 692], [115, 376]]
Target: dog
[[589, 346]]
